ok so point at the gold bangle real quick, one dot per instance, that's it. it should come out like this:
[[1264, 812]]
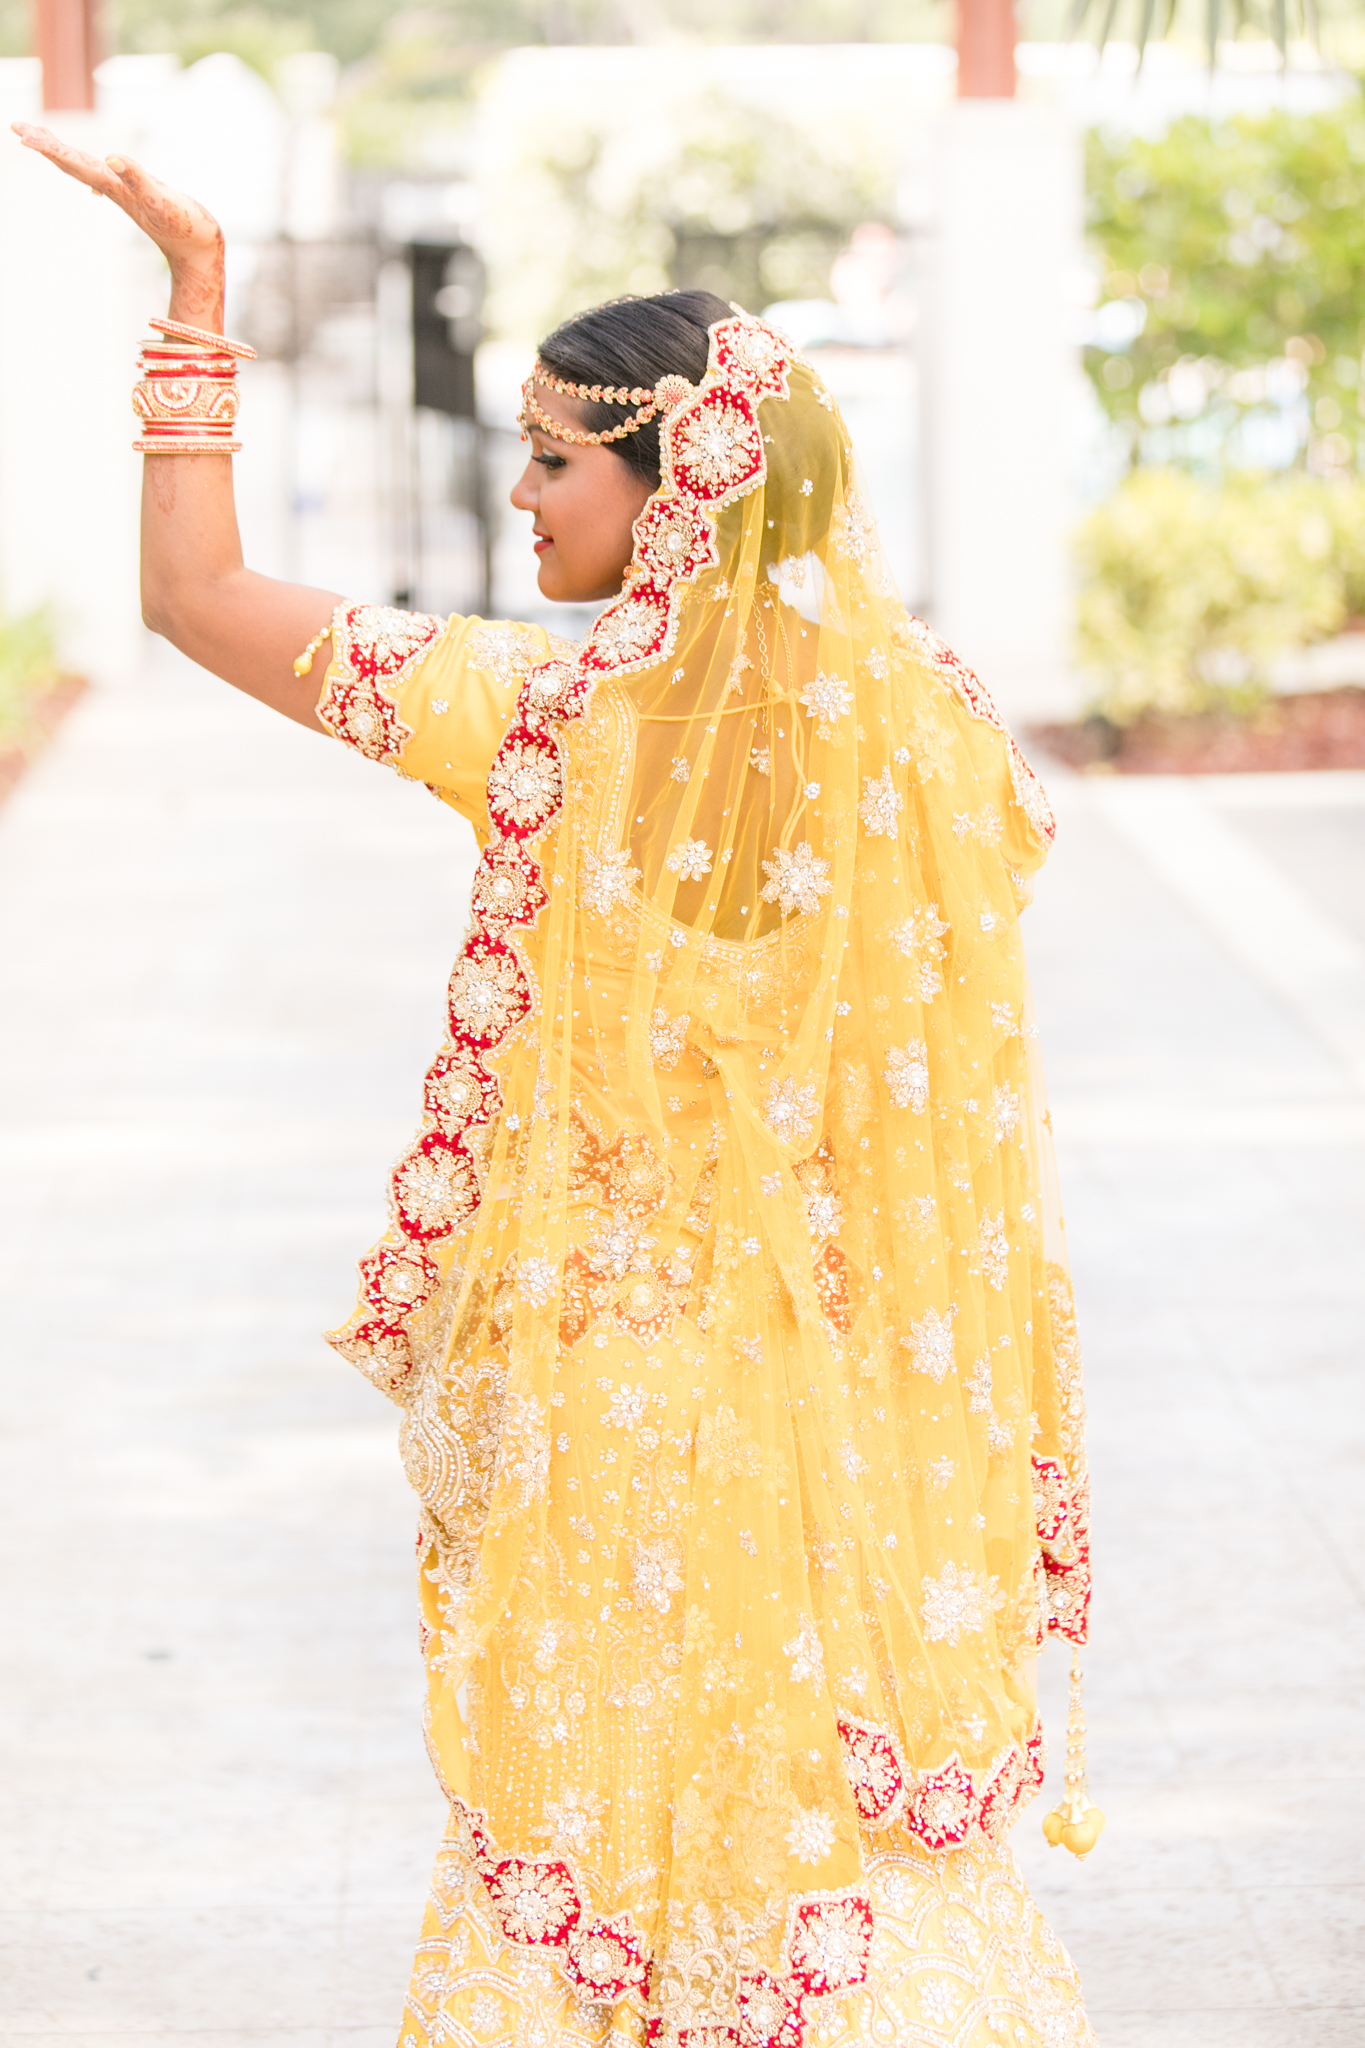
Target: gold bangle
[[200, 337], [303, 662]]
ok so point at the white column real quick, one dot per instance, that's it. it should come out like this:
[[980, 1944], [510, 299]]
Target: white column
[[1001, 260], [77, 282]]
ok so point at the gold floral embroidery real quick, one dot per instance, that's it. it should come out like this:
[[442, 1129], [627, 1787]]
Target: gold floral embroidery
[[509, 652], [374, 649], [729, 1831], [727, 1447], [933, 747], [667, 1038], [958, 1946]]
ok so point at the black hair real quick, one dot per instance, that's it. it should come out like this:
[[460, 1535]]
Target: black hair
[[633, 342]]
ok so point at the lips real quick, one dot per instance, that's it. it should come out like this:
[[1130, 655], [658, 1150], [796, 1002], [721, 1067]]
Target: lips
[[542, 541]]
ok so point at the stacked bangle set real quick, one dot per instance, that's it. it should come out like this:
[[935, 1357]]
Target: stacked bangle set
[[186, 397]]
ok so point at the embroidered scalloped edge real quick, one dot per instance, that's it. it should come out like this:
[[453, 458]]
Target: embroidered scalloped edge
[[943, 1809], [747, 363], [944, 1806], [1029, 793], [1062, 1520], [370, 684], [567, 1930]]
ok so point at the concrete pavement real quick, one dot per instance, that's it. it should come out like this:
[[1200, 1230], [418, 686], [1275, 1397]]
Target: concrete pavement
[[222, 949], [1211, 1132]]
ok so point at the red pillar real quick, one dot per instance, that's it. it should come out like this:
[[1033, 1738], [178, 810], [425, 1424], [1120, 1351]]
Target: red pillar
[[985, 49], [64, 38]]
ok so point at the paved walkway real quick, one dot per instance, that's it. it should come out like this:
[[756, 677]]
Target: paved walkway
[[222, 949]]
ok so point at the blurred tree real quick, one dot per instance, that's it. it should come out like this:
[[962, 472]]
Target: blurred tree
[[1231, 323], [16, 28], [1189, 595], [260, 32], [28, 666], [702, 190], [358, 28]]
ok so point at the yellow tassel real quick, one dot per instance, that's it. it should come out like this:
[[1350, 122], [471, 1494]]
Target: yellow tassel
[[1075, 1824]]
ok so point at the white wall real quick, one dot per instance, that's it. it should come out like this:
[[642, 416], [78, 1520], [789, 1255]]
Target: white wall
[[1001, 256], [76, 285]]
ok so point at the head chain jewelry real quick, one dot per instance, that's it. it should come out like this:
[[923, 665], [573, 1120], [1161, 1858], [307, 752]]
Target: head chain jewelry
[[668, 394]]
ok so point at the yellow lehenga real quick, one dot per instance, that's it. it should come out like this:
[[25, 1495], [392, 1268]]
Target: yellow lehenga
[[724, 1291]]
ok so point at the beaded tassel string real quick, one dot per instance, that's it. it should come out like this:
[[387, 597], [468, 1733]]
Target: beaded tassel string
[[186, 398], [304, 662], [1075, 1824]]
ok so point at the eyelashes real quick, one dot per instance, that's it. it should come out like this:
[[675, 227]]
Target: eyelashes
[[550, 462]]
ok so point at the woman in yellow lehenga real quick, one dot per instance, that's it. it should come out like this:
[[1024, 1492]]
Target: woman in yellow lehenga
[[723, 1289]]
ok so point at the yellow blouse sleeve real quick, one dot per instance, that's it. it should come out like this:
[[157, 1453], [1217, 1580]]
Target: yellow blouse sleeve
[[430, 697]]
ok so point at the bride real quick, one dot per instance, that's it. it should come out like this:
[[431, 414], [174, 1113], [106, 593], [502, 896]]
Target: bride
[[722, 1290]]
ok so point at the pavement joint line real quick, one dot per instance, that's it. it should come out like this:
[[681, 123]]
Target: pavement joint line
[[1117, 1118], [1175, 1120], [1305, 789], [244, 1138], [1296, 789], [1260, 917]]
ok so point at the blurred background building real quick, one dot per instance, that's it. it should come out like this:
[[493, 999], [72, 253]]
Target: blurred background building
[[1069, 301]]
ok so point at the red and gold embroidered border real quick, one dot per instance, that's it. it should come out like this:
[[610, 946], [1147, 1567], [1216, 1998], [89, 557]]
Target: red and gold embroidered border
[[1028, 790], [942, 1807], [1061, 1514], [541, 1901], [712, 453]]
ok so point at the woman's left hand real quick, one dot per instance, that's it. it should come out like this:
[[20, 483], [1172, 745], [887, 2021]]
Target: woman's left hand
[[185, 232]]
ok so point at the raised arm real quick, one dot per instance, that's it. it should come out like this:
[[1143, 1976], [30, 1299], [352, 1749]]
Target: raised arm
[[196, 591]]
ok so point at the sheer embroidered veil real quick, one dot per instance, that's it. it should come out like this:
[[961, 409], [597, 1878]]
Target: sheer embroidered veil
[[758, 854]]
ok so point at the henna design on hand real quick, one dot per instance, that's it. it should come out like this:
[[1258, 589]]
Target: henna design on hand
[[185, 232]]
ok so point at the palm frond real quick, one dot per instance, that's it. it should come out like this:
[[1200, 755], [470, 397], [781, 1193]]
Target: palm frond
[[1145, 29], [1212, 16], [1107, 27], [1274, 16]]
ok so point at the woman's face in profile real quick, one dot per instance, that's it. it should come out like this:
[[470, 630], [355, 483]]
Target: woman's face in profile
[[585, 502]]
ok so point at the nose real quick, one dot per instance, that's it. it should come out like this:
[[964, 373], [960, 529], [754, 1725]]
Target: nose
[[524, 494]]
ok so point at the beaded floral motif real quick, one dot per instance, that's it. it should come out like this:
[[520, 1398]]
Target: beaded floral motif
[[374, 649], [958, 1602], [881, 806], [907, 1075], [505, 651], [797, 878], [919, 939]]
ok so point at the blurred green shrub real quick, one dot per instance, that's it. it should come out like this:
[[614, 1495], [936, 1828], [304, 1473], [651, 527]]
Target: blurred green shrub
[[1189, 593], [1231, 253], [27, 667]]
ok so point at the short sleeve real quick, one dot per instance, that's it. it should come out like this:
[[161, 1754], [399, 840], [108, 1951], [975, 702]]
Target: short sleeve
[[430, 697]]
